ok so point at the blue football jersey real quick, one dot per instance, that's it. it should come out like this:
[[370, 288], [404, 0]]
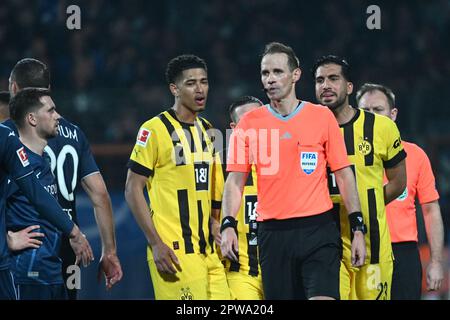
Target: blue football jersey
[[42, 265], [71, 161], [15, 165]]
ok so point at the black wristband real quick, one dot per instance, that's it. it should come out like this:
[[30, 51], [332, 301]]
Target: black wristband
[[357, 222], [228, 222]]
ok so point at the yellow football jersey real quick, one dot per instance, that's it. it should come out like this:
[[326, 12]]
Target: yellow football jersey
[[178, 159], [373, 143]]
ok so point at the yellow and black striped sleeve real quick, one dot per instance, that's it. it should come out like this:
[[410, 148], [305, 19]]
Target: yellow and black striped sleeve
[[144, 156], [394, 148]]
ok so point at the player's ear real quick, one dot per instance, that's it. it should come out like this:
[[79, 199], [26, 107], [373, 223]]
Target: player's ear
[[232, 125], [14, 87], [296, 74], [394, 113], [349, 88], [31, 119], [173, 89]]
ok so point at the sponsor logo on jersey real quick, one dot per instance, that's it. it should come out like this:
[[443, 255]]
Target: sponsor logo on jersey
[[397, 143], [143, 137], [23, 157], [308, 161], [286, 135]]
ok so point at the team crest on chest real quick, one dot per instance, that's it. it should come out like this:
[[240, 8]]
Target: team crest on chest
[[364, 147], [308, 161], [186, 294]]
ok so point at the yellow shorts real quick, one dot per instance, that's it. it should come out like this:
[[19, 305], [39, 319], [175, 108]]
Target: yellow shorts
[[370, 282], [202, 277], [244, 286]]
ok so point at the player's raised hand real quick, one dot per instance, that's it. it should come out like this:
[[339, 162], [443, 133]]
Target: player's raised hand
[[109, 266], [165, 259], [81, 247], [229, 244], [24, 239], [358, 249]]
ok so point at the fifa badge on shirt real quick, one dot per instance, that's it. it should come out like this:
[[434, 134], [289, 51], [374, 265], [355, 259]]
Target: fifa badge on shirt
[[143, 137], [23, 157], [308, 161]]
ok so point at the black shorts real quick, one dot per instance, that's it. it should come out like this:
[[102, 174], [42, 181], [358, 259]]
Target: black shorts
[[300, 258], [7, 290], [407, 275]]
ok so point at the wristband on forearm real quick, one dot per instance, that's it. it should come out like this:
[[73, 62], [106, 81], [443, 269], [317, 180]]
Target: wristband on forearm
[[228, 222], [357, 222]]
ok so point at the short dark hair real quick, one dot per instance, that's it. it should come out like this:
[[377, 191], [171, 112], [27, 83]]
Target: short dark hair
[[31, 73], [277, 47], [25, 101], [371, 87], [4, 97], [345, 67], [240, 102], [177, 65]]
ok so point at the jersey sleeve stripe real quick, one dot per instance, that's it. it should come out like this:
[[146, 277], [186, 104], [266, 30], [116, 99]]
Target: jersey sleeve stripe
[[395, 160], [369, 123], [139, 169]]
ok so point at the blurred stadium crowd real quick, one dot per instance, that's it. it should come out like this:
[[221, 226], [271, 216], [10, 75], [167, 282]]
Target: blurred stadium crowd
[[110, 74]]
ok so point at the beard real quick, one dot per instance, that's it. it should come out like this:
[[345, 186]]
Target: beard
[[51, 134], [340, 100]]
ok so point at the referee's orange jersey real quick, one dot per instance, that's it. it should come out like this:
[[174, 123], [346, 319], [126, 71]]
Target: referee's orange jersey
[[291, 154], [401, 213]]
